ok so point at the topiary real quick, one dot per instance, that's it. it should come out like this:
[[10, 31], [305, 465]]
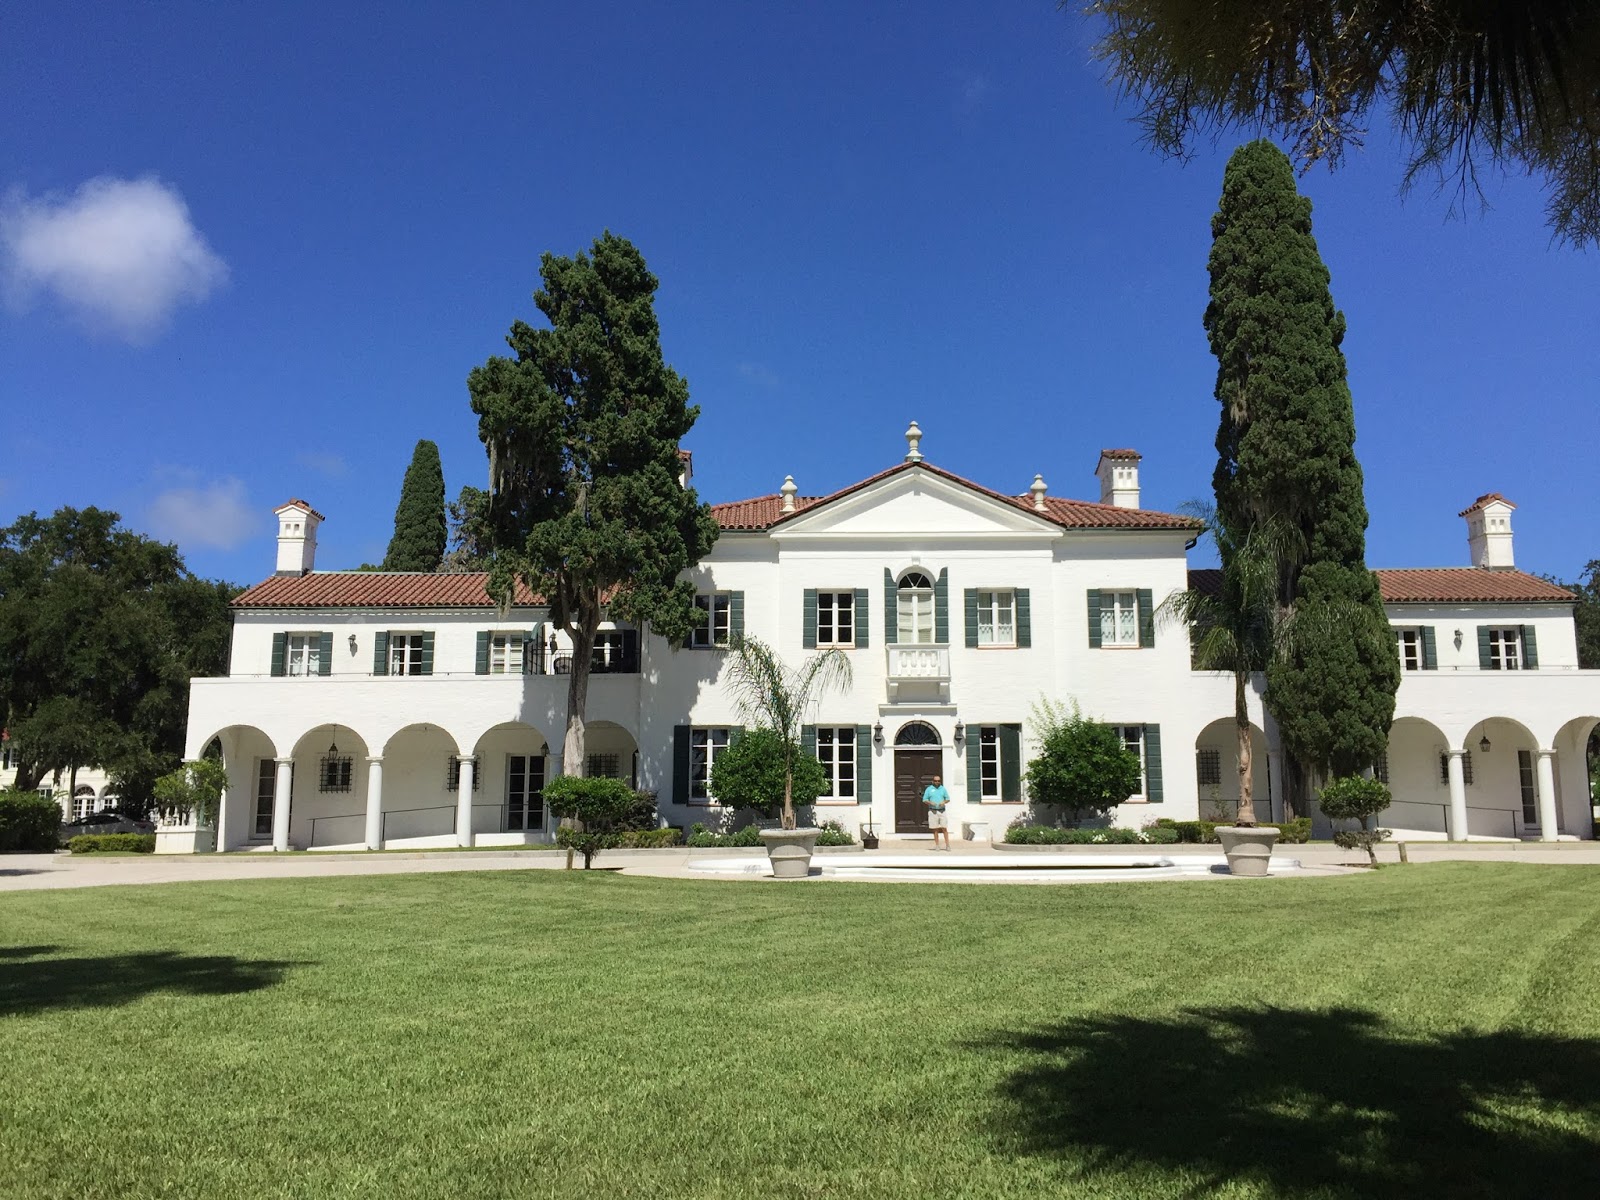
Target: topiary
[[1356, 798]]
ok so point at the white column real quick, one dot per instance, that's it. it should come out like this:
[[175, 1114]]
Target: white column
[[375, 803], [280, 803], [464, 803], [1458, 797], [1548, 821], [222, 806]]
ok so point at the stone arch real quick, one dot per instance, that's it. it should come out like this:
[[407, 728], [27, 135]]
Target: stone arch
[[328, 795], [244, 817], [917, 733], [1502, 793], [420, 773], [1412, 766], [1217, 759], [512, 761]]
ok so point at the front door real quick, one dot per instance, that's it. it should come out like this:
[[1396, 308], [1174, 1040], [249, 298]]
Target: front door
[[525, 792], [913, 772]]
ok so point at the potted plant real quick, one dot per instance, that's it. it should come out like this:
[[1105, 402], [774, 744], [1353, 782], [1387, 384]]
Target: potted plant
[[766, 768]]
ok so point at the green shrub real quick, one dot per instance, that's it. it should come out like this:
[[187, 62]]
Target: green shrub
[[29, 823], [702, 838], [1051, 835], [1083, 768], [1357, 798], [1205, 832], [113, 843], [1297, 831], [834, 834], [643, 839], [595, 804], [1160, 835]]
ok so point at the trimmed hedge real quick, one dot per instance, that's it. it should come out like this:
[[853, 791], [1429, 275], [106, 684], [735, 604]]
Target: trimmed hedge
[[643, 839], [1293, 832], [29, 823], [702, 838], [113, 843], [1050, 835]]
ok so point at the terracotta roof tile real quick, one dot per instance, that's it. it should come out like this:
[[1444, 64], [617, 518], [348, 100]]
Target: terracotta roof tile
[[1486, 498], [295, 501], [375, 589], [1133, 454], [758, 513], [1439, 585]]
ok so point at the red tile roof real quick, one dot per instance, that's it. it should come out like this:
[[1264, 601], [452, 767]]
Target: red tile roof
[[1133, 454], [295, 502], [1439, 585], [764, 512], [1486, 498], [375, 589]]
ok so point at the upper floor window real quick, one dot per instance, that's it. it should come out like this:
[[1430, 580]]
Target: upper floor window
[[718, 607], [405, 654], [1119, 618], [997, 620], [505, 653], [836, 619], [914, 609], [1505, 649], [836, 751], [1416, 647], [304, 654]]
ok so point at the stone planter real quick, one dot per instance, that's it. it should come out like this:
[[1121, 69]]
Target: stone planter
[[789, 851], [185, 839], [1249, 848]]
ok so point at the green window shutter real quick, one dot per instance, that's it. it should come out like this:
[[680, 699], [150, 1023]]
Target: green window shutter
[[1147, 618], [530, 651], [735, 614], [1152, 764], [483, 652], [680, 765], [969, 609], [863, 764], [1530, 648], [941, 607], [1430, 650], [280, 646], [380, 653], [1094, 618], [808, 608], [891, 609], [974, 755], [1024, 619], [427, 653], [325, 653], [858, 614], [1011, 763], [1485, 662], [808, 740]]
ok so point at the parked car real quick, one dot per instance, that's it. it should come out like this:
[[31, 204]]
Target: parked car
[[107, 820]]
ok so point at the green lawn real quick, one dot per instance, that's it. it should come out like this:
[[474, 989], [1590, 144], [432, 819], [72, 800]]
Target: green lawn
[[1424, 1031]]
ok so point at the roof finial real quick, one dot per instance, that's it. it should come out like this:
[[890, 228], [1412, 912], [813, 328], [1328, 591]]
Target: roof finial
[[1038, 489], [788, 489], [913, 441]]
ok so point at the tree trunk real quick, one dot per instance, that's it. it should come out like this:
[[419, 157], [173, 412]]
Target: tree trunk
[[582, 631], [1246, 815], [28, 777], [788, 799]]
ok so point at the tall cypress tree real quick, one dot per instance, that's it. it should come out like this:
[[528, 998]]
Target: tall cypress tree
[[419, 525], [1286, 453]]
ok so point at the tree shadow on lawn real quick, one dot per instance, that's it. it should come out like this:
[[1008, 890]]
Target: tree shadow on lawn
[[30, 983], [1303, 1103]]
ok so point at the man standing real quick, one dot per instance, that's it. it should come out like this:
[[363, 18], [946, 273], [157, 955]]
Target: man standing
[[936, 797]]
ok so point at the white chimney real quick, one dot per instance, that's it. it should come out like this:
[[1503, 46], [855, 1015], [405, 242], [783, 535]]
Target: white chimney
[[1038, 489], [1489, 531], [788, 490], [297, 537], [685, 468], [1118, 471], [913, 443]]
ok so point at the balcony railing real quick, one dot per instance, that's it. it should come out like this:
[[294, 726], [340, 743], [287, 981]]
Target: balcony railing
[[918, 665]]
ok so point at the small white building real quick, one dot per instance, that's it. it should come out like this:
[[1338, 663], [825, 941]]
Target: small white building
[[394, 709], [79, 793]]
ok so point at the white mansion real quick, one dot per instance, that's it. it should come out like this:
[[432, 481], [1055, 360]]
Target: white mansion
[[371, 709]]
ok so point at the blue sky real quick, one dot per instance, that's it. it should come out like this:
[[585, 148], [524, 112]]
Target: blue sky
[[860, 215]]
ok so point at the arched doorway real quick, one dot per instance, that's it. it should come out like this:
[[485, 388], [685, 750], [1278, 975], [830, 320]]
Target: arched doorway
[[1216, 769], [918, 761]]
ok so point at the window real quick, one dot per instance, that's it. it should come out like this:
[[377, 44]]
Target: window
[[82, 802], [836, 751], [610, 652], [836, 624], [715, 632], [266, 782], [1413, 648], [704, 746], [1530, 795], [914, 609], [303, 654], [334, 773], [1133, 738], [1505, 646], [505, 653], [1208, 767], [8, 758], [524, 792], [603, 766], [1119, 618], [1380, 768], [997, 622], [405, 654], [989, 763], [1466, 768], [452, 774]]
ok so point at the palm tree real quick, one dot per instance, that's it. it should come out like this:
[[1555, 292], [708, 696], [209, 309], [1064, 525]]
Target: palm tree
[[768, 693], [1240, 627]]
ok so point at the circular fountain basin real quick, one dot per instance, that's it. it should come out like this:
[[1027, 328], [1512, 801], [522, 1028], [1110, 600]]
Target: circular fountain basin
[[1017, 868]]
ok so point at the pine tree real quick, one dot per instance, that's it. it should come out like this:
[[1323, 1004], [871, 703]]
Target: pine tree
[[1286, 453], [419, 525], [582, 430]]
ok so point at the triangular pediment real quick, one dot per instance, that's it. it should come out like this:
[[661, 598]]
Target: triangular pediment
[[916, 502]]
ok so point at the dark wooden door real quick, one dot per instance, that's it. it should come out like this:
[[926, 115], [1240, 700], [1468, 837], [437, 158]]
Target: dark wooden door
[[913, 771]]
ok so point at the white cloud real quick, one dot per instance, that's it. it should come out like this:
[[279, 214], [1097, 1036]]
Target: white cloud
[[757, 374], [332, 465], [119, 252], [215, 516]]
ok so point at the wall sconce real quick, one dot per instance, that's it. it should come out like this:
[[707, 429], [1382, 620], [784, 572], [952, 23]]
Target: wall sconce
[[333, 746], [1458, 639], [1483, 743], [877, 735], [352, 643], [961, 732]]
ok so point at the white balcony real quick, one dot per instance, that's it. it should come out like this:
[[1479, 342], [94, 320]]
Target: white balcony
[[918, 671]]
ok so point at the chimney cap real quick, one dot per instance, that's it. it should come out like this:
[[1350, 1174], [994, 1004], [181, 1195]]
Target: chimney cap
[[296, 502], [1484, 501], [1117, 454]]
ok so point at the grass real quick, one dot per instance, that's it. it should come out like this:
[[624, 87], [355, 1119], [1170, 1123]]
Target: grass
[[1426, 1031]]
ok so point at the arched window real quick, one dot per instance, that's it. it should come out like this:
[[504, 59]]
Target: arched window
[[917, 733], [914, 608], [82, 801]]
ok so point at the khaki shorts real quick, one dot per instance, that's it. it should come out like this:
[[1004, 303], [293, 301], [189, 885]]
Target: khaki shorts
[[937, 819]]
